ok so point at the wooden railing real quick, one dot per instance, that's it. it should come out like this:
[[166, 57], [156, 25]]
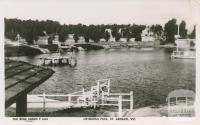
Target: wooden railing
[[98, 95]]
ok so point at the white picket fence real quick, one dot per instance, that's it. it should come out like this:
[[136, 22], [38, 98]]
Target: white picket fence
[[98, 95]]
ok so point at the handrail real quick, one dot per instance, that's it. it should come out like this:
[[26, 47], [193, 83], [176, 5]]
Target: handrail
[[96, 96]]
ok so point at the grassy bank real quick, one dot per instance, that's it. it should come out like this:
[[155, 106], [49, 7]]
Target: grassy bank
[[20, 51]]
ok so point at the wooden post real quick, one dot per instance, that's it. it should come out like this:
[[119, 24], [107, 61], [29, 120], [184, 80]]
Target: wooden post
[[21, 106], [120, 106], [83, 91], [94, 101], [98, 89], [131, 100], [84, 97], [69, 99], [44, 102], [108, 87], [102, 97]]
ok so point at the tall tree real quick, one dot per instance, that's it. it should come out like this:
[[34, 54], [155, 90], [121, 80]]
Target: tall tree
[[107, 36], [193, 34], [76, 38], [170, 30], [182, 29]]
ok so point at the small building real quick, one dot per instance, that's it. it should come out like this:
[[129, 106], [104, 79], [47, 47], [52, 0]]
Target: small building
[[56, 40], [181, 103], [102, 40], [81, 40], [132, 40], [42, 40], [91, 41], [112, 39], [185, 43], [147, 35], [123, 40], [70, 40]]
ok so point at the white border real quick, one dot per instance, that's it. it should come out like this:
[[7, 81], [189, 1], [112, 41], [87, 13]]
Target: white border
[[139, 120]]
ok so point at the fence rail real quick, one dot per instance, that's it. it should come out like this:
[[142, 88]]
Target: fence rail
[[98, 95]]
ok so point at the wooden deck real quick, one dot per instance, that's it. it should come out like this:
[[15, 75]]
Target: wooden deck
[[20, 79]]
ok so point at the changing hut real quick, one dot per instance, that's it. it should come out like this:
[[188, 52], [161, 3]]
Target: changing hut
[[20, 79]]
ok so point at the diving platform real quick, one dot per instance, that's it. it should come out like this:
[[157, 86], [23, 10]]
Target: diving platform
[[59, 60]]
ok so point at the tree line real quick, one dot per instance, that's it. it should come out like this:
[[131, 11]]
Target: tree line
[[31, 29]]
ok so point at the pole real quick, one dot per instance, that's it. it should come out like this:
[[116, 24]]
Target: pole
[[102, 97], [131, 100], [98, 89], [69, 99], [108, 87], [21, 106], [120, 106], [178, 29], [44, 101]]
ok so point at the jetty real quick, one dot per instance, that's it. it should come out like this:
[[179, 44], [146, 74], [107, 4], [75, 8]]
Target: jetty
[[59, 59], [20, 79]]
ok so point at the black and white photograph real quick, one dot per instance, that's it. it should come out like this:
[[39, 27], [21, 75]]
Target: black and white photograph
[[100, 58]]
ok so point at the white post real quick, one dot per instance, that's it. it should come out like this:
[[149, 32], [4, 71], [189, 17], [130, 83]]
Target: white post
[[83, 91], [98, 89], [120, 106], [44, 102], [108, 87], [69, 99], [102, 97], [94, 101], [84, 97], [131, 99], [91, 99]]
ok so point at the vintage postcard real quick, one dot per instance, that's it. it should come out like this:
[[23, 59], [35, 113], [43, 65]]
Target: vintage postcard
[[75, 61]]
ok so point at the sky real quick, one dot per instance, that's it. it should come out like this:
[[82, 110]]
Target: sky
[[101, 11]]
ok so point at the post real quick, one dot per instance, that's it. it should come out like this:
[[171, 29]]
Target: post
[[102, 97], [84, 97], [21, 106], [98, 89], [69, 99], [120, 106], [178, 29], [186, 101], [131, 100], [108, 87], [83, 91], [44, 102], [91, 99], [94, 101]]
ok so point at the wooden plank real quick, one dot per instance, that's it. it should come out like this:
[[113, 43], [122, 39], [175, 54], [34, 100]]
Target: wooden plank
[[12, 65], [22, 77], [26, 86], [17, 70], [8, 61]]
